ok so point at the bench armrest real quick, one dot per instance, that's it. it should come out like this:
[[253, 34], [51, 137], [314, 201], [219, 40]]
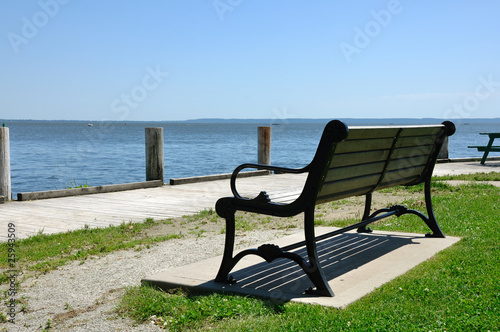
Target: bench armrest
[[262, 167]]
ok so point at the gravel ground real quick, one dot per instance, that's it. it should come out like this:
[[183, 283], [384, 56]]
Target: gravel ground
[[82, 296]]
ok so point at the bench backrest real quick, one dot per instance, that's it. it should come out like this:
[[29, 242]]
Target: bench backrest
[[359, 160]]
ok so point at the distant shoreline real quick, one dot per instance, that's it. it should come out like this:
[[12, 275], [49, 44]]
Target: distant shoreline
[[275, 121]]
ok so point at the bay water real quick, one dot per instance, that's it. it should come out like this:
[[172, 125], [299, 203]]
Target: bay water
[[48, 155]]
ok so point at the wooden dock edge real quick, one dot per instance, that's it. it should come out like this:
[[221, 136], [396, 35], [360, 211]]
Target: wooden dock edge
[[196, 179], [87, 190]]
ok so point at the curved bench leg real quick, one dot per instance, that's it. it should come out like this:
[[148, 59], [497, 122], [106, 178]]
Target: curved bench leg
[[227, 259], [366, 214], [431, 220], [314, 270]]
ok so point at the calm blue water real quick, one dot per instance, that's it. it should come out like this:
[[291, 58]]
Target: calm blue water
[[56, 155]]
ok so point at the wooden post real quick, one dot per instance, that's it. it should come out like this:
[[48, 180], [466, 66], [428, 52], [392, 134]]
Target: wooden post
[[154, 154], [5, 182], [264, 146], [444, 153]]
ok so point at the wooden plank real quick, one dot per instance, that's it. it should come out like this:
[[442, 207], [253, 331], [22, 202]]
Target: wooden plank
[[395, 164], [334, 174], [415, 141], [358, 158], [353, 184], [423, 150], [399, 182], [372, 132], [87, 190], [341, 195], [363, 145], [206, 178], [432, 130], [403, 174]]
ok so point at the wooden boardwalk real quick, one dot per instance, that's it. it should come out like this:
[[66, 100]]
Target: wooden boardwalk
[[101, 210]]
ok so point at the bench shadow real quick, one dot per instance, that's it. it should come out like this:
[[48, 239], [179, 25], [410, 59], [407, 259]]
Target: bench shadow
[[338, 256]]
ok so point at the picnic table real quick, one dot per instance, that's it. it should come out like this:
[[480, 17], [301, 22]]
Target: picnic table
[[488, 148]]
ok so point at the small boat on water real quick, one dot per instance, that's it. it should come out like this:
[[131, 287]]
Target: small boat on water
[[89, 124]]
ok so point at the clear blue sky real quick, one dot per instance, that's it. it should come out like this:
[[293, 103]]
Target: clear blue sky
[[188, 59]]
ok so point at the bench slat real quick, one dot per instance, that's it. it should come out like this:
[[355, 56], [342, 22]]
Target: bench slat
[[371, 133], [415, 141], [334, 174], [363, 183], [388, 131], [413, 161], [340, 195], [412, 151], [405, 175], [420, 131], [350, 146], [356, 158], [399, 182]]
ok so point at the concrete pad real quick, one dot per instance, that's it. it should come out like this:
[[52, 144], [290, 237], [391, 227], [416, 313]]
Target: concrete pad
[[354, 264]]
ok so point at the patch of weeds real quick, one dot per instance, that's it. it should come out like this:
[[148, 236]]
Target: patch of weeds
[[48, 325], [73, 185], [198, 232], [266, 220], [243, 224], [205, 214]]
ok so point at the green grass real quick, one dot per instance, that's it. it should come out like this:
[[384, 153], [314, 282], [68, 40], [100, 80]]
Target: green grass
[[457, 290], [180, 310], [493, 176]]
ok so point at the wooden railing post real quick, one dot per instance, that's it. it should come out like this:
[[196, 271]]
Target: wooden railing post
[[154, 154], [5, 181], [444, 153], [264, 146]]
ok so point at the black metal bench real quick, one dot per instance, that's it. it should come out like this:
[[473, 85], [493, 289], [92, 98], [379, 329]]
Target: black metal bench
[[348, 162]]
